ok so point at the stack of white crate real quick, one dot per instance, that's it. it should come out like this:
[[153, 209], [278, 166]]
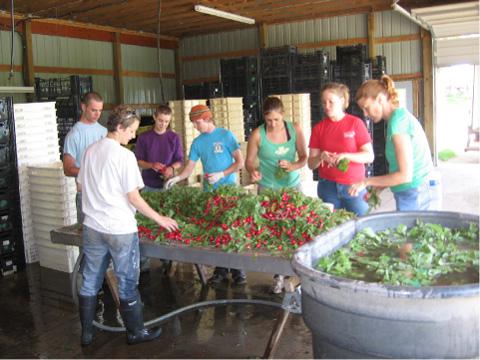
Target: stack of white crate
[[297, 110], [36, 138], [52, 203], [228, 114], [182, 125]]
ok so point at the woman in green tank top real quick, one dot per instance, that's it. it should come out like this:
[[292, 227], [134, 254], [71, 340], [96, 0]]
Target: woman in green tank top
[[281, 150]]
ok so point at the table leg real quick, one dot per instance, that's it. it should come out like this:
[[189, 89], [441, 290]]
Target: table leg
[[113, 286], [201, 273], [276, 335]]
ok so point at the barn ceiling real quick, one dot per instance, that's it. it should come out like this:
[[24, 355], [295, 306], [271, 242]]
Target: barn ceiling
[[178, 18]]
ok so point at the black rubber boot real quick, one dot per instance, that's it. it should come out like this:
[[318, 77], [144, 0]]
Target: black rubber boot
[[132, 315], [87, 306]]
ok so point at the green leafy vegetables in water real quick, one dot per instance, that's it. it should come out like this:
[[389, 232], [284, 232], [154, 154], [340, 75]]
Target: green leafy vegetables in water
[[426, 254]]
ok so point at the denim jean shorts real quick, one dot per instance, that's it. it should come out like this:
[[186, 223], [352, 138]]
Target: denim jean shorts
[[124, 251], [337, 194], [416, 199]]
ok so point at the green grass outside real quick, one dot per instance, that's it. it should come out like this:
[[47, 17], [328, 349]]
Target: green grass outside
[[446, 155]]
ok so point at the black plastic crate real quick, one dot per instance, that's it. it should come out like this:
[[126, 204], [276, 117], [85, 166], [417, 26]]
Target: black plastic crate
[[54, 88], [8, 264], [345, 54], [7, 244], [8, 178], [5, 131], [276, 85], [280, 50]]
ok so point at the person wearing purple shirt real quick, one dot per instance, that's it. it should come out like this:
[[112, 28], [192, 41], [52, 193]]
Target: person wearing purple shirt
[[159, 151]]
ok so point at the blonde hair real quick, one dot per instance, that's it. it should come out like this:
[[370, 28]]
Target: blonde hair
[[341, 90], [122, 115], [372, 88]]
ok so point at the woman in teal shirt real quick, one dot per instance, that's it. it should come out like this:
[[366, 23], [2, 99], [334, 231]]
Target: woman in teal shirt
[[406, 149], [281, 151]]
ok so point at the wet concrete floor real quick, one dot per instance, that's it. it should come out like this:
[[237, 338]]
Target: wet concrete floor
[[39, 320]]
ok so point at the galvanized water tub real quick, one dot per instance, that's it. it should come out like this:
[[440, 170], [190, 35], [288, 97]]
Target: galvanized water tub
[[356, 319]]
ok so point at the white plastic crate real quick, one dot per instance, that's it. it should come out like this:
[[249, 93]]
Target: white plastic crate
[[61, 259], [70, 212], [55, 198], [53, 221]]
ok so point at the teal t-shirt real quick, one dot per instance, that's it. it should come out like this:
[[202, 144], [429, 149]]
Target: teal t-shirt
[[80, 137], [269, 154], [215, 151], [402, 122]]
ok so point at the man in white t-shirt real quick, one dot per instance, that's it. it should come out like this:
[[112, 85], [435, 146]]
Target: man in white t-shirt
[[84, 133], [110, 180]]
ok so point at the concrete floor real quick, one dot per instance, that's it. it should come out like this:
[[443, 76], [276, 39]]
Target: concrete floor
[[38, 319]]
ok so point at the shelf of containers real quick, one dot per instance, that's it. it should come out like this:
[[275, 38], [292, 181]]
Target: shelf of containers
[[52, 204], [11, 242], [36, 142]]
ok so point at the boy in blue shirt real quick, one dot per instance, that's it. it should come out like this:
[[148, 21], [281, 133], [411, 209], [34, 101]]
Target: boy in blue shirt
[[221, 157]]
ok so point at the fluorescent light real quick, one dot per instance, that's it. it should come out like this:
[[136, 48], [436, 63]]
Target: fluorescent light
[[223, 14]]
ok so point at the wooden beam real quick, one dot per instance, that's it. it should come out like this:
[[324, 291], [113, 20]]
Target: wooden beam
[[229, 54], [72, 71], [429, 120], [28, 69], [404, 77], [117, 69], [200, 80], [147, 74], [339, 42], [6, 68], [399, 38], [179, 73], [415, 96], [372, 52], [263, 36]]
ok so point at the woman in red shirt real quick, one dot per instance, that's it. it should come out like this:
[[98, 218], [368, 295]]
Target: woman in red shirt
[[340, 136]]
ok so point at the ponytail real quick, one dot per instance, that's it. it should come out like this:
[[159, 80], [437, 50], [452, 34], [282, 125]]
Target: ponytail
[[372, 88]]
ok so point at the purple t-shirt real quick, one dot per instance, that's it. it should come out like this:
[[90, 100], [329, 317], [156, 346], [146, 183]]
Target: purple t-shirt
[[152, 147]]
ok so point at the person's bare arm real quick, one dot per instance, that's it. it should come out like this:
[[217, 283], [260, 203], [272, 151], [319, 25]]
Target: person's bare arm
[[142, 206], [69, 167]]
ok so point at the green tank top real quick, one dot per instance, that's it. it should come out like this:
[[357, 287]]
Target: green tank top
[[269, 154]]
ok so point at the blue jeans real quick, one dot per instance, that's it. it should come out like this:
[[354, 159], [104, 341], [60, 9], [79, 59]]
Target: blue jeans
[[413, 199], [78, 203], [99, 248], [337, 194]]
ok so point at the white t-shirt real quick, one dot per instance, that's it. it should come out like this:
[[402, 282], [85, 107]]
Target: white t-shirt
[[107, 173]]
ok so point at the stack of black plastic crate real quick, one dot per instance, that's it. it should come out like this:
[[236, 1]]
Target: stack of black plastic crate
[[67, 93], [352, 67], [12, 256], [380, 165], [240, 78], [310, 73], [204, 90], [277, 70]]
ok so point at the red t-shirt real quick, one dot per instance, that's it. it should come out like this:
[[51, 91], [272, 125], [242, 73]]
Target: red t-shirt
[[345, 136]]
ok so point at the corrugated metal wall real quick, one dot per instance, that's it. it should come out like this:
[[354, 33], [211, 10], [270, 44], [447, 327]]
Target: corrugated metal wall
[[62, 52], [5, 51], [138, 90], [212, 44], [402, 57], [317, 30]]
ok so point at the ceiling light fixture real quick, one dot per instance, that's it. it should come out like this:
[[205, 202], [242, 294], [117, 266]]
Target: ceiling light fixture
[[223, 14]]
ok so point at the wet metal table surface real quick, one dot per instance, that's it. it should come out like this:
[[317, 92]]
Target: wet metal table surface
[[253, 261]]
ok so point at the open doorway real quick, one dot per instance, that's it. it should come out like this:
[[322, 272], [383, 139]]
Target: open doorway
[[457, 116]]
